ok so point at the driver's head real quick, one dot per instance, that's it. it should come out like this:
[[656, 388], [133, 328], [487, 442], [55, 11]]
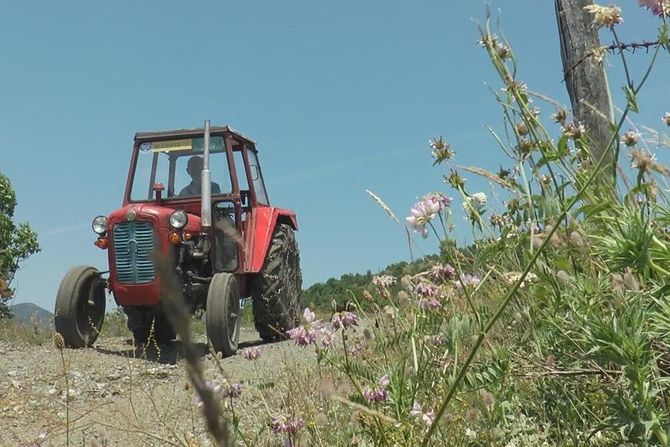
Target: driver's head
[[195, 166]]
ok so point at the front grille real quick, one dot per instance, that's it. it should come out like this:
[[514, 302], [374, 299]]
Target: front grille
[[133, 245]]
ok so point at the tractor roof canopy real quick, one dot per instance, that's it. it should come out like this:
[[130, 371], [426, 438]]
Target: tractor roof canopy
[[175, 159], [192, 132]]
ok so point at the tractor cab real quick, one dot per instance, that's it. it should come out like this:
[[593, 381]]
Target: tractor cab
[[166, 170]]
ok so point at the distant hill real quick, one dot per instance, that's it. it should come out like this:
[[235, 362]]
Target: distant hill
[[29, 313]]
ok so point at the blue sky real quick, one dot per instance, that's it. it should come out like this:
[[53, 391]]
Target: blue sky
[[341, 96]]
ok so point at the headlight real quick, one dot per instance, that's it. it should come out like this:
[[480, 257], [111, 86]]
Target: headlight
[[178, 219], [99, 224]]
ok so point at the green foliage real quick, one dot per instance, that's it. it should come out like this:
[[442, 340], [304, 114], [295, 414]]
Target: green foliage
[[115, 324], [350, 286], [17, 243]]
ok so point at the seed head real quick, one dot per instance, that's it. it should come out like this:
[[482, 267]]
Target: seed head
[[605, 15], [576, 239], [560, 116], [599, 53], [503, 51], [574, 130], [646, 162], [521, 128], [402, 297], [666, 118], [488, 399], [455, 180], [383, 281], [630, 138], [59, 341], [440, 150]]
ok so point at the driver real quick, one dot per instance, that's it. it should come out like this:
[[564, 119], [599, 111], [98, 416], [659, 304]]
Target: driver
[[194, 167]]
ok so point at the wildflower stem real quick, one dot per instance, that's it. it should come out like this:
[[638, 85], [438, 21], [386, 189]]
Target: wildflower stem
[[635, 91], [356, 385], [629, 81], [434, 230], [67, 399], [468, 298]]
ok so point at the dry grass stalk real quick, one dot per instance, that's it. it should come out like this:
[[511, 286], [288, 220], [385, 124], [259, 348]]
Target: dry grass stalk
[[179, 317], [383, 205]]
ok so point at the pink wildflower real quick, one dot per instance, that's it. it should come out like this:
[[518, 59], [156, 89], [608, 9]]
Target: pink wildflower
[[442, 272], [427, 290], [308, 315], [349, 319], [376, 394], [379, 392], [417, 412], [429, 304], [233, 390], [306, 334], [468, 279], [302, 336], [252, 353], [355, 349], [442, 200], [384, 381], [213, 387], [327, 338], [423, 212], [282, 424], [383, 281], [657, 7]]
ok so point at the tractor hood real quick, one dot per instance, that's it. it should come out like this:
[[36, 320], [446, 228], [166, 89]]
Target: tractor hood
[[158, 215]]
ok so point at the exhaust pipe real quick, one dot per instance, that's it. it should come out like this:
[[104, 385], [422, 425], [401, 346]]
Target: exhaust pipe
[[206, 186]]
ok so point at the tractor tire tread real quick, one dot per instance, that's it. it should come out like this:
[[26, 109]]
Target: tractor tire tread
[[277, 290]]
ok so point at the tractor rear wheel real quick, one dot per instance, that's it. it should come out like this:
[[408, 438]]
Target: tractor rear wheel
[[222, 314], [277, 290], [149, 324], [80, 306]]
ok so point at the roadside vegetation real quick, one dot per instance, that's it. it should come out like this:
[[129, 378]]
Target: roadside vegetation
[[554, 330], [17, 243]]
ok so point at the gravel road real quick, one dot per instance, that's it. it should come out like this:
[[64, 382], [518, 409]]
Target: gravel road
[[122, 396]]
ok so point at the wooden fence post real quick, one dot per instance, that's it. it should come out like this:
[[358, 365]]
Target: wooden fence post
[[584, 78]]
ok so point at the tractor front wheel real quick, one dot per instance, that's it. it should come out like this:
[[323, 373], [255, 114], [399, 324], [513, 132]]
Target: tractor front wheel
[[222, 315], [80, 306], [277, 290]]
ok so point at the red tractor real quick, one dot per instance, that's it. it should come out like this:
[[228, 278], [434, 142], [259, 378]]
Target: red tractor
[[196, 197]]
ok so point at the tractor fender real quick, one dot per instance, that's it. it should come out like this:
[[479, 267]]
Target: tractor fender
[[262, 225]]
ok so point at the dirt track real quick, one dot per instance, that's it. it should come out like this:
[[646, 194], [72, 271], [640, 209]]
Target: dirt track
[[120, 395]]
